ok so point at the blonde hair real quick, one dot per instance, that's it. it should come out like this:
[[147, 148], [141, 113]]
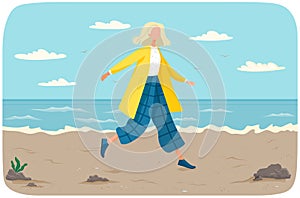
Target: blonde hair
[[144, 39]]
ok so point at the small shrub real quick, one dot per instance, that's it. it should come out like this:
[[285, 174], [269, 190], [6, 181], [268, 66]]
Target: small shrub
[[17, 168]]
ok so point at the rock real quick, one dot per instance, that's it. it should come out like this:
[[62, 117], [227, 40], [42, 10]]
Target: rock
[[96, 178], [273, 171], [31, 184], [257, 178], [12, 175]]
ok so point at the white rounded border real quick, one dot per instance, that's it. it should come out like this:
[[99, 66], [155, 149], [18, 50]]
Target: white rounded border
[[8, 5]]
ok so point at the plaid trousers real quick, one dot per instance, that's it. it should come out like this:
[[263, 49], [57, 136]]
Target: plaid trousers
[[153, 106]]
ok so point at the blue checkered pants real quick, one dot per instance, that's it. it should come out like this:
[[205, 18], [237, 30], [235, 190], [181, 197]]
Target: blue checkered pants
[[153, 106]]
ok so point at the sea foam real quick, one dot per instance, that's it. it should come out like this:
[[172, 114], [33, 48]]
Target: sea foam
[[191, 129]]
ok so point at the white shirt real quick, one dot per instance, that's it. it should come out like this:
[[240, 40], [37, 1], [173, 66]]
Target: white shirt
[[154, 62]]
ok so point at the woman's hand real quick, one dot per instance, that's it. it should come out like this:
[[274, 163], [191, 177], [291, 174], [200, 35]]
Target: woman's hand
[[104, 76], [190, 83]]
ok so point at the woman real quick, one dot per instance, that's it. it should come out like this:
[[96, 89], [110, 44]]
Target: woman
[[150, 94]]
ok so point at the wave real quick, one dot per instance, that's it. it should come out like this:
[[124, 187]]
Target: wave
[[93, 120], [216, 110], [280, 115], [191, 129], [185, 119], [28, 130], [26, 117], [113, 111], [255, 128], [60, 109]]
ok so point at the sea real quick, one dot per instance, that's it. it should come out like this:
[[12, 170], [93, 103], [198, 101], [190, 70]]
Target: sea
[[101, 115]]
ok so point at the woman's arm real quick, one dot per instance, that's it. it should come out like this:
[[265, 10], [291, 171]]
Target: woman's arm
[[123, 64], [172, 71], [174, 74]]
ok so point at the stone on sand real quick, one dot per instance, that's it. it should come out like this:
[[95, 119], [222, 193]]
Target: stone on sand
[[274, 171], [96, 178], [12, 175], [31, 184]]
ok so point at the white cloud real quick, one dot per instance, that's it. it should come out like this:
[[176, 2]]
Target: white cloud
[[112, 25], [40, 54], [27, 117], [215, 110], [93, 120], [212, 36], [280, 115], [60, 109], [57, 83], [259, 67]]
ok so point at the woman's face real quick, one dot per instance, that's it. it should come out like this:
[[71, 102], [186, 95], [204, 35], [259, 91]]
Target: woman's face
[[155, 33]]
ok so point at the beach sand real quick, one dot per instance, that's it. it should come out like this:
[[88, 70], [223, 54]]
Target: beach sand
[[60, 164]]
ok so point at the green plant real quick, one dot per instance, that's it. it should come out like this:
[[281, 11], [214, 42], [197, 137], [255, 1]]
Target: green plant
[[17, 168]]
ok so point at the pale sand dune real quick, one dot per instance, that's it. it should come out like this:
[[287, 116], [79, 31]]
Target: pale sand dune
[[61, 164]]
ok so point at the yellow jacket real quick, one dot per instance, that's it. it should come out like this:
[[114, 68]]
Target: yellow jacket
[[133, 93]]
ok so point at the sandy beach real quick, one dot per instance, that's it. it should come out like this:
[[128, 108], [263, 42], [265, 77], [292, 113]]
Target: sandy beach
[[60, 164]]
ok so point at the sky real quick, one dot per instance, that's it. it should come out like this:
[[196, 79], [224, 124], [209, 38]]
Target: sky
[[253, 33]]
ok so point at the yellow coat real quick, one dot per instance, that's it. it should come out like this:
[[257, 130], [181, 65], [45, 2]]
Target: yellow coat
[[133, 93]]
